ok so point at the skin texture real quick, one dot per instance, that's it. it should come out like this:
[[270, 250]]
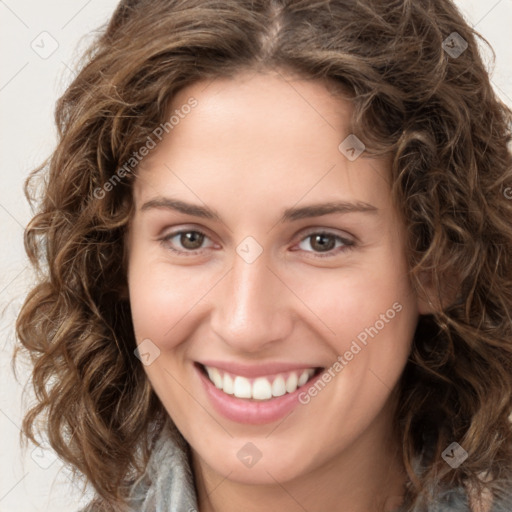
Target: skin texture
[[254, 145]]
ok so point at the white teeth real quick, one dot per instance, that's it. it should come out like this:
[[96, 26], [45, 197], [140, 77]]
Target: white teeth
[[278, 386], [260, 388], [303, 378], [227, 384], [291, 382], [242, 387], [215, 377]]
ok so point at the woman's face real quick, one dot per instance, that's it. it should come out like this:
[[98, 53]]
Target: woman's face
[[264, 254]]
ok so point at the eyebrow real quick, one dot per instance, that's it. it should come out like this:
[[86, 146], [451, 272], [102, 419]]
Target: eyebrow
[[290, 214]]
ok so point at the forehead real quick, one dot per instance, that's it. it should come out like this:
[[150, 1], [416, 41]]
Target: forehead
[[265, 97], [264, 135]]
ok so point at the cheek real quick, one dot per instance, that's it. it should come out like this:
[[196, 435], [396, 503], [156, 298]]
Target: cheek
[[350, 300], [371, 312], [160, 297]]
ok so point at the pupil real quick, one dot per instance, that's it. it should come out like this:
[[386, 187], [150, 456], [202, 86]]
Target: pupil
[[321, 239], [190, 240]]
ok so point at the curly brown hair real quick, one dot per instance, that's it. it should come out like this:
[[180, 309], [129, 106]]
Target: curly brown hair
[[435, 112]]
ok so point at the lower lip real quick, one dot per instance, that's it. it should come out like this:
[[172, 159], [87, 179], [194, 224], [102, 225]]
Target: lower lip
[[252, 412]]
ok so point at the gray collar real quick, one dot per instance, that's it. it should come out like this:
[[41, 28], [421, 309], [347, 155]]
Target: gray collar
[[168, 483]]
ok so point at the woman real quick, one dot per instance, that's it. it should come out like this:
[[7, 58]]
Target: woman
[[278, 250]]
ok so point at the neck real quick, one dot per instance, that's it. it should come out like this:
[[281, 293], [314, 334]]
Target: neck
[[368, 476]]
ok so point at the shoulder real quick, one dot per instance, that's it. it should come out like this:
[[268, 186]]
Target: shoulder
[[462, 499], [499, 501]]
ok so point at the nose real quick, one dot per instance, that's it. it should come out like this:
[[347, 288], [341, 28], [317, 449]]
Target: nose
[[252, 307]]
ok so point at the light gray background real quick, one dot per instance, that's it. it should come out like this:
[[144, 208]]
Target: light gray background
[[30, 82]]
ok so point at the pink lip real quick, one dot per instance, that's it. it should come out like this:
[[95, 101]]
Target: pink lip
[[252, 412], [260, 370]]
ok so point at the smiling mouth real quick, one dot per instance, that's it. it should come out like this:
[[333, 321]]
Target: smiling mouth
[[259, 388]]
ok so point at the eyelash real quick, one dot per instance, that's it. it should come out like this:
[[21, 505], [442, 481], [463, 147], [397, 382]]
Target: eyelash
[[347, 244]]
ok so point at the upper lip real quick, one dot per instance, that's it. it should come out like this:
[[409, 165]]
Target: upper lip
[[257, 370]]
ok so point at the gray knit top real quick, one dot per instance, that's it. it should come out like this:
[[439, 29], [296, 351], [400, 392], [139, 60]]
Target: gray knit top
[[168, 485]]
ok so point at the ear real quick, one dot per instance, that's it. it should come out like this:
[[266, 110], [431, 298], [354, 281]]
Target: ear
[[124, 293], [425, 294], [123, 290], [435, 293]]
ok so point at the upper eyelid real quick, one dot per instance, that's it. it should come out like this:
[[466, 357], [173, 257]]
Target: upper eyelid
[[303, 232], [327, 231], [178, 231]]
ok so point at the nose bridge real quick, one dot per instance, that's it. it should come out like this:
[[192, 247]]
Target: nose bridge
[[251, 310]]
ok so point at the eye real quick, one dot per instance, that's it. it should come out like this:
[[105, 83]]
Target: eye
[[325, 242], [190, 240]]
